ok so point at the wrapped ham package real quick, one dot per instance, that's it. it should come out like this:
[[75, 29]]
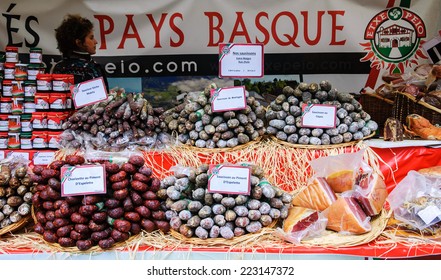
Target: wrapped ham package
[[317, 195], [301, 224], [347, 217], [416, 200], [340, 171], [371, 194]]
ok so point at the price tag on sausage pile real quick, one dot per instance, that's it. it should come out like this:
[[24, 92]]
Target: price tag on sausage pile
[[43, 158], [241, 60], [83, 180], [229, 179], [318, 115], [228, 99], [88, 92]]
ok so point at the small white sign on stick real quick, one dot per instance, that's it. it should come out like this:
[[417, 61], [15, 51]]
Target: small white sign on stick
[[241, 60], [43, 158], [229, 179], [318, 116], [228, 99], [83, 180], [88, 92]]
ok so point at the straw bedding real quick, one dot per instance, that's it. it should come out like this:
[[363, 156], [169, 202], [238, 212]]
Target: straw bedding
[[288, 167]]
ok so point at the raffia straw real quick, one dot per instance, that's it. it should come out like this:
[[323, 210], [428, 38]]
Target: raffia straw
[[289, 167], [193, 157], [158, 162]]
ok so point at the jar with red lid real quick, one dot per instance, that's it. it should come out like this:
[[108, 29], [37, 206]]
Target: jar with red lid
[[39, 139], [39, 120], [57, 100], [5, 105], [55, 120], [9, 72], [11, 54], [62, 82], [53, 139], [44, 82], [4, 122], [7, 88], [3, 140], [41, 100]]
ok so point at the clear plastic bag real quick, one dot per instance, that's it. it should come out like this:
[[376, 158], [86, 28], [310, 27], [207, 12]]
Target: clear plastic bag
[[416, 200], [325, 166], [316, 229], [340, 171]]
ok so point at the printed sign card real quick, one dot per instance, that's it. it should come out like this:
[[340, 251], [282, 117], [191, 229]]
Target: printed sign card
[[229, 179], [318, 116], [241, 60], [43, 158], [88, 92], [83, 180], [18, 155], [228, 99]]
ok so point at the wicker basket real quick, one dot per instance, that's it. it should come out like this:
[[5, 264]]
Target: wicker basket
[[16, 226], [220, 241], [319, 147], [406, 104], [378, 107]]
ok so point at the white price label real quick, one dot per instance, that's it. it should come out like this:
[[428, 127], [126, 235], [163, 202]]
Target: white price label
[[429, 214], [88, 92], [241, 60], [318, 115], [82, 180], [43, 158], [228, 99], [19, 155], [229, 179]]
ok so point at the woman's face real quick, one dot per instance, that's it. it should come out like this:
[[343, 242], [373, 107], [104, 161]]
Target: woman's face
[[89, 44]]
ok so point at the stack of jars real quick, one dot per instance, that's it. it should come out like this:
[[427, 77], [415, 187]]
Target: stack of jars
[[17, 100], [53, 106]]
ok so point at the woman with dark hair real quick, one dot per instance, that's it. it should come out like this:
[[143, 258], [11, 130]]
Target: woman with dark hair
[[76, 42]]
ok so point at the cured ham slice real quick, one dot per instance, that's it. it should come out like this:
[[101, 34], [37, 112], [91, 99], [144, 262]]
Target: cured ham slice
[[341, 181], [371, 194], [317, 195], [299, 218], [346, 216]]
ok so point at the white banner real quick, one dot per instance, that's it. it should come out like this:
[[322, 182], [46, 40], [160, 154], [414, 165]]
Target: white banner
[[180, 38]]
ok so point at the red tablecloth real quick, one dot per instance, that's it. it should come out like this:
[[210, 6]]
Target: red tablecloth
[[397, 162]]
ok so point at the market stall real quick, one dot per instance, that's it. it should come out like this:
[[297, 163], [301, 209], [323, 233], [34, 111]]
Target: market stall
[[281, 169]]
